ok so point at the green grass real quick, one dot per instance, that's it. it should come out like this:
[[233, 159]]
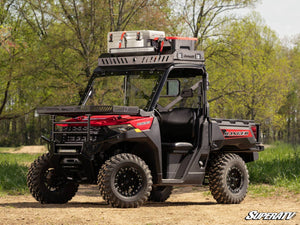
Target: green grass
[[13, 170], [278, 166]]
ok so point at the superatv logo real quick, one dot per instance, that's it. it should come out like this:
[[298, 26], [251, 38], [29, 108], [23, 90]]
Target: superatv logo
[[236, 133], [255, 215]]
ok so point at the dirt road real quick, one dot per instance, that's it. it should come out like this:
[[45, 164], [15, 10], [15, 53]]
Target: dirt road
[[186, 206]]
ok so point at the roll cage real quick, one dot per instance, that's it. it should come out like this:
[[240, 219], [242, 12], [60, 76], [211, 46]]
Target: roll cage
[[168, 71]]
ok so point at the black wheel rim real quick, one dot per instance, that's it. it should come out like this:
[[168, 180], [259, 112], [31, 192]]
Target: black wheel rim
[[52, 181], [128, 181], [235, 180]]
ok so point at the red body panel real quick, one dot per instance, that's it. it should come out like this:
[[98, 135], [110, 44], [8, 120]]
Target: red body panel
[[142, 123]]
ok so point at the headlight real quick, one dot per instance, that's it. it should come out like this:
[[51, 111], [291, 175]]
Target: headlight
[[121, 128]]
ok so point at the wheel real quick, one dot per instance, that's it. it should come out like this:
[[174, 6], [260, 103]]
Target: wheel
[[101, 185], [228, 179], [125, 181], [47, 185], [160, 193]]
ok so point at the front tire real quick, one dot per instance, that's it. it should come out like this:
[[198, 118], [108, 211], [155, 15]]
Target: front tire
[[125, 181], [228, 179], [47, 185]]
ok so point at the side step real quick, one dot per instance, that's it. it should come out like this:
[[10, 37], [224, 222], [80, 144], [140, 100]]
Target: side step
[[172, 181], [192, 178]]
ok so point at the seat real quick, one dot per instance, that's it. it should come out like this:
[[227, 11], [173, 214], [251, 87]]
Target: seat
[[177, 128]]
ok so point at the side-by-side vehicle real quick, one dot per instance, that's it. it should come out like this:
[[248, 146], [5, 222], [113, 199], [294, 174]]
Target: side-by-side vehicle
[[142, 127]]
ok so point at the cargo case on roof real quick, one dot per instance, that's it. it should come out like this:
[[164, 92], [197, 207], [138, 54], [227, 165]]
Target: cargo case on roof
[[126, 42]]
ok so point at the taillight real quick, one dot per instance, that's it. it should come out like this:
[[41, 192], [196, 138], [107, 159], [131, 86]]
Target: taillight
[[254, 130]]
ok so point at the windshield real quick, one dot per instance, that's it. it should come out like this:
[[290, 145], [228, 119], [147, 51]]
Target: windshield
[[135, 89]]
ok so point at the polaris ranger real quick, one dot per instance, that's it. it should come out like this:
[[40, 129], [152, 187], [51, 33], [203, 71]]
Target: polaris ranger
[[142, 127]]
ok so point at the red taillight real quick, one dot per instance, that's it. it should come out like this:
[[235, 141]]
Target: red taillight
[[254, 130]]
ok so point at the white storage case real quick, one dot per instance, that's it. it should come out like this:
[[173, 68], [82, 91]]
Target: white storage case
[[124, 42]]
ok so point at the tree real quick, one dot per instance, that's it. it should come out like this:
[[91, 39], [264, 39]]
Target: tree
[[21, 88], [204, 18], [121, 12], [49, 48], [290, 110], [251, 81]]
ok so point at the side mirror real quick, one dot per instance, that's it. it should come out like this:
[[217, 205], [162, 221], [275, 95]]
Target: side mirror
[[187, 93], [171, 88]]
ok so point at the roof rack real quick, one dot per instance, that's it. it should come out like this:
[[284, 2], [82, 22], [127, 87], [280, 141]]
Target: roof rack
[[148, 47], [178, 57]]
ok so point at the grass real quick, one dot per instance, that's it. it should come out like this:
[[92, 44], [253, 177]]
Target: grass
[[13, 170], [278, 166]]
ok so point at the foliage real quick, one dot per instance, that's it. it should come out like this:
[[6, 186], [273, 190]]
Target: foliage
[[48, 50], [290, 108], [250, 77], [13, 170], [277, 165], [205, 17]]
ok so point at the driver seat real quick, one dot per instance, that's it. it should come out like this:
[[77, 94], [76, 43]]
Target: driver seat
[[177, 128]]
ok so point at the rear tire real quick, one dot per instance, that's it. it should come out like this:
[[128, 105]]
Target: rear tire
[[160, 193], [125, 181], [228, 179], [47, 185]]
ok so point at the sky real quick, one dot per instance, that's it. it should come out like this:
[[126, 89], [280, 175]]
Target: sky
[[282, 16]]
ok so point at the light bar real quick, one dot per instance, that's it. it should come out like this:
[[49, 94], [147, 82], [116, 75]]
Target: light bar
[[67, 151]]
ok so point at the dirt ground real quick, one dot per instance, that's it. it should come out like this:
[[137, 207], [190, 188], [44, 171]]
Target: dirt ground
[[188, 205], [30, 149]]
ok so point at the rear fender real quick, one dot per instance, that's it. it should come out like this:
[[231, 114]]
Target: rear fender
[[249, 157]]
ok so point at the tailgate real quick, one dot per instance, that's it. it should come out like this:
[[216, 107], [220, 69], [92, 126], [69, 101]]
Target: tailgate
[[236, 134]]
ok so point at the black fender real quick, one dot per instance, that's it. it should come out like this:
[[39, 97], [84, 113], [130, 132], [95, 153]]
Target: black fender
[[145, 144]]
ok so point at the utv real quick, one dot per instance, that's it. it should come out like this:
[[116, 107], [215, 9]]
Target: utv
[[142, 127]]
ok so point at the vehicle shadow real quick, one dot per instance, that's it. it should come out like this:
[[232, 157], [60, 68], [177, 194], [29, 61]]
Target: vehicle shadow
[[67, 205], [185, 203], [98, 204]]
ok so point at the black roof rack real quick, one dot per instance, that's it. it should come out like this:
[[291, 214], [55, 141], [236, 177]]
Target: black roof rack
[[178, 57]]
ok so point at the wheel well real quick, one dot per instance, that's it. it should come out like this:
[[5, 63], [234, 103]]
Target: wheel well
[[246, 156], [141, 149]]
